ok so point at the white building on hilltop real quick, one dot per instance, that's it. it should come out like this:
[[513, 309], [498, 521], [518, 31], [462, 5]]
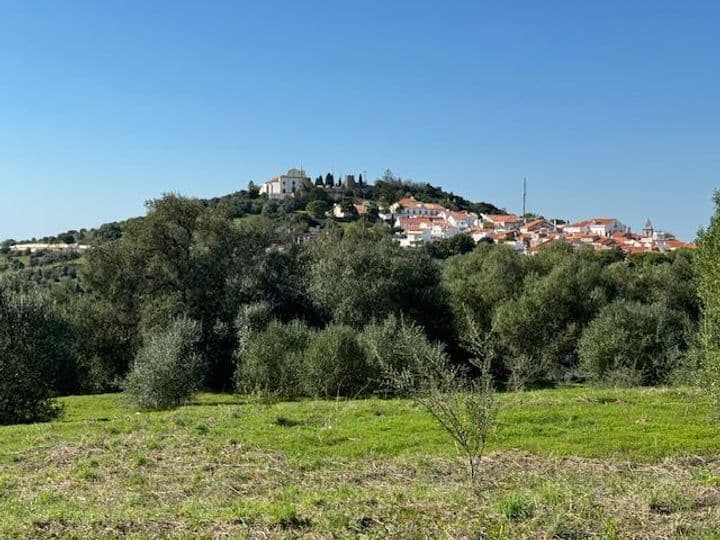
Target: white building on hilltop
[[284, 186]]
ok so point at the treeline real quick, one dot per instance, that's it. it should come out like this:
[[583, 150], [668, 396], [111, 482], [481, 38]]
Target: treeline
[[190, 296]]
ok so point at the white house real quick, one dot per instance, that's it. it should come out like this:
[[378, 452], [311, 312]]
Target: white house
[[580, 227], [414, 237], [599, 226], [462, 221], [538, 226], [606, 226], [408, 206], [284, 186], [500, 221], [479, 233], [442, 229]]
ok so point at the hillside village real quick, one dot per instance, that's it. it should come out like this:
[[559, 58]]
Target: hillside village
[[417, 223], [420, 223]]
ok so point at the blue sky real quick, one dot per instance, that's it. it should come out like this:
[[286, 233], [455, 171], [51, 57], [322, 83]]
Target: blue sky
[[608, 108]]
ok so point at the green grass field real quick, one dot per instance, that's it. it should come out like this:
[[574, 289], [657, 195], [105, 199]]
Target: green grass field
[[570, 463]]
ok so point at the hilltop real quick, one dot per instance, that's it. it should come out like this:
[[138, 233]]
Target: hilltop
[[417, 214], [250, 201], [310, 208]]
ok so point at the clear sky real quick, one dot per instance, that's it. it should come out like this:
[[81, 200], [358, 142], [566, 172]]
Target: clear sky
[[609, 108]]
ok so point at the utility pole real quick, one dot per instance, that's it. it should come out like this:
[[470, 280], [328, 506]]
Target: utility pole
[[524, 197]]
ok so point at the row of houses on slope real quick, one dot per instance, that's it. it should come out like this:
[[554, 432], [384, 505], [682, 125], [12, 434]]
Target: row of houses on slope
[[428, 222], [421, 222]]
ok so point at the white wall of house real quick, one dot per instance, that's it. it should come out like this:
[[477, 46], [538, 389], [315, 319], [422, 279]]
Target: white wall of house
[[284, 186], [414, 238]]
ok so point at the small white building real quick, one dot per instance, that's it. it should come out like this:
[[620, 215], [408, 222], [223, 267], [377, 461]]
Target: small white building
[[507, 222], [284, 186], [462, 221], [34, 247], [598, 226], [414, 237], [442, 229], [607, 226], [538, 226], [408, 206]]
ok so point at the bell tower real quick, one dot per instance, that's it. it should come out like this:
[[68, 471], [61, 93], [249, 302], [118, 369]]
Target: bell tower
[[648, 229]]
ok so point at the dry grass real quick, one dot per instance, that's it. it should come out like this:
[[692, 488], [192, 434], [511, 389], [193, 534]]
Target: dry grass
[[247, 493]]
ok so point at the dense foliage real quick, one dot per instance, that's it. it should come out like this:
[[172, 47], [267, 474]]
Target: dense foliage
[[535, 310], [633, 342], [708, 270], [277, 317], [35, 355], [167, 369]]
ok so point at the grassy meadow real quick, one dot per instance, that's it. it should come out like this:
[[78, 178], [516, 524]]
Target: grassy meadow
[[564, 463]]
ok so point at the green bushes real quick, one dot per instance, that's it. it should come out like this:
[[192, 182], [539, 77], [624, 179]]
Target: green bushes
[[291, 360], [35, 355], [708, 270], [167, 369], [335, 364], [351, 280], [630, 343], [534, 310], [271, 362], [391, 345], [189, 258]]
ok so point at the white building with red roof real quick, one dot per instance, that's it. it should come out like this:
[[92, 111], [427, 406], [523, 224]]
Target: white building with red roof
[[408, 206], [599, 226], [501, 221], [462, 221]]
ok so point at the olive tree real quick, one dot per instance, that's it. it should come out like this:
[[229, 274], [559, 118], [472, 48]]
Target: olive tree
[[35, 353], [463, 406], [167, 369], [632, 342], [707, 264]]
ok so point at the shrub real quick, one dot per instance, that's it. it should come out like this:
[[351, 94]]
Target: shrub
[[463, 407], [271, 362], [632, 342], [251, 318], [317, 208], [390, 345], [166, 370], [708, 274], [353, 279], [35, 355], [335, 364], [103, 344]]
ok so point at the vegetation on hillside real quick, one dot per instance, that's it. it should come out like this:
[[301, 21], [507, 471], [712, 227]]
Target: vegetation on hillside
[[558, 316], [219, 296]]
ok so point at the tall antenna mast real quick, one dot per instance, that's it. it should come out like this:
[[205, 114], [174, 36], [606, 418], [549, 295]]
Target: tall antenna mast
[[524, 196]]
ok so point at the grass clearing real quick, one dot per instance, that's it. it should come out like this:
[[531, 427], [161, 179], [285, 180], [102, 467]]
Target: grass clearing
[[566, 463]]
